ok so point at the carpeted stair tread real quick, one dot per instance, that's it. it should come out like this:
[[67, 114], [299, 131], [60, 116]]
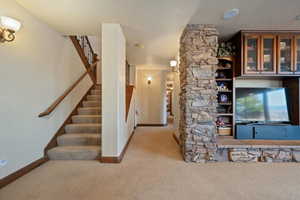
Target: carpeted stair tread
[[95, 92], [89, 111], [78, 139], [83, 128], [86, 119], [74, 153], [92, 104], [93, 97]]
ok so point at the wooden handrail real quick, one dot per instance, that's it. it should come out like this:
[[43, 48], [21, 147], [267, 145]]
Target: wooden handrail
[[91, 69], [129, 92], [61, 98]]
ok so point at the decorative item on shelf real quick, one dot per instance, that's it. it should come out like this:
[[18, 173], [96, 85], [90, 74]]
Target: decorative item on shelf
[[221, 109], [224, 98], [224, 131], [229, 109], [221, 75], [222, 87], [226, 49], [228, 65], [220, 121]]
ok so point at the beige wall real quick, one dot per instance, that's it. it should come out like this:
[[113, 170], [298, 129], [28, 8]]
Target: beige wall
[[175, 105], [114, 128], [151, 99], [35, 69]]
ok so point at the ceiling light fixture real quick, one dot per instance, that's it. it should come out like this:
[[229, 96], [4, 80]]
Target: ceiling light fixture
[[231, 13], [8, 28]]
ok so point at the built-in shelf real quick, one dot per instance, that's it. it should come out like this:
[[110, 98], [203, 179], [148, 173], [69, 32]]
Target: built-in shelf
[[220, 91], [224, 68], [225, 117], [223, 79], [225, 104], [225, 114]]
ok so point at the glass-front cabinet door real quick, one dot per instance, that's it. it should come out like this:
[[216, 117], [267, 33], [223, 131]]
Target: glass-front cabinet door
[[268, 57], [297, 54], [251, 57], [285, 55]]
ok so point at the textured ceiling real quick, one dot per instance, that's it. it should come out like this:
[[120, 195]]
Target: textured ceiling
[[158, 24]]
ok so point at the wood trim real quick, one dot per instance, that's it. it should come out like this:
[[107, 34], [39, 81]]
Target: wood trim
[[117, 159], [61, 98], [21, 172], [176, 139], [129, 94], [53, 142], [83, 57], [152, 125]]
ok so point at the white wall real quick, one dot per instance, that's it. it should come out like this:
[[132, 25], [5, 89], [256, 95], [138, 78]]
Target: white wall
[[114, 133], [35, 69], [151, 99], [175, 105]]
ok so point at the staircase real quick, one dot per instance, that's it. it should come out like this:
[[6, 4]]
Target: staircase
[[82, 137]]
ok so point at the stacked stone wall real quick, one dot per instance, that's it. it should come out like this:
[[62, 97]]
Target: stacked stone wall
[[198, 97]]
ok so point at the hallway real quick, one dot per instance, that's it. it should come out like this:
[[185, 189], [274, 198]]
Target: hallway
[[153, 169]]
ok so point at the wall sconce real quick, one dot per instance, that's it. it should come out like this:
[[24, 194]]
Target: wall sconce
[[8, 28], [173, 63], [149, 79]]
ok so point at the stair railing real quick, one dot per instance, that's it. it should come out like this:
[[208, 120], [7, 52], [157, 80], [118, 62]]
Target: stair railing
[[89, 59], [87, 55]]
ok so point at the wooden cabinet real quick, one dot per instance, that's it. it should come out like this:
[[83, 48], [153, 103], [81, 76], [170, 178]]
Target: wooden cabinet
[[285, 54], [297, 54], [266, 53], [252, 54]]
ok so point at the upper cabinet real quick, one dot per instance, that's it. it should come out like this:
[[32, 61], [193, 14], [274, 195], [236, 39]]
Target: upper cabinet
[[285, 54], [251, 64], [297, 54], [268, 53]]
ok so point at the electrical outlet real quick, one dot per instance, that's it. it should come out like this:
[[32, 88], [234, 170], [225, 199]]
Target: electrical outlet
[[3, 163]]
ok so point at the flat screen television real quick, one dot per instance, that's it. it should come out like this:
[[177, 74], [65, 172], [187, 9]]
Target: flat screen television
[[261, 105]]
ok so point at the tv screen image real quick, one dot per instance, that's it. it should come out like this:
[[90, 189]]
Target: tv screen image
[[261, 105]]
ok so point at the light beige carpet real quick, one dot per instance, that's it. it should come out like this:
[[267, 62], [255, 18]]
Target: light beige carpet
[[153, 169]]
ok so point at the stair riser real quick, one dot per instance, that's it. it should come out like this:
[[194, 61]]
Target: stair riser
[[93, 98], [86, 120], [83, 129], [89, 112], [91, 104], [97, 87], [96, 92], [84, 155], [65, 141]]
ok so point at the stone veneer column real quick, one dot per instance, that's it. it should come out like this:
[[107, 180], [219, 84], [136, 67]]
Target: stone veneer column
[[198, 97]]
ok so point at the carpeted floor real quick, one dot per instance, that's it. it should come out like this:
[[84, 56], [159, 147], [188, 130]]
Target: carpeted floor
[[152, 169]]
